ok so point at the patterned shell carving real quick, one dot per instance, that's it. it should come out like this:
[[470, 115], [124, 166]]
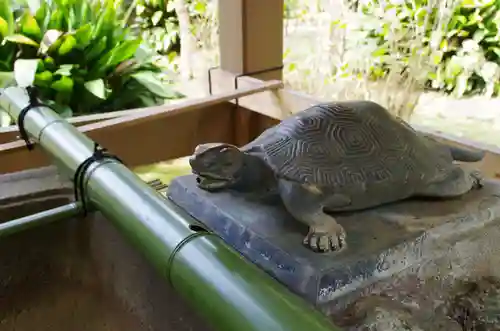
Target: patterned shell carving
[[345, 143]]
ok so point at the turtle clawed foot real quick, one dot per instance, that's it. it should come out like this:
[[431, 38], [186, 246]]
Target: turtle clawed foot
[[326, 238], [477, 179]]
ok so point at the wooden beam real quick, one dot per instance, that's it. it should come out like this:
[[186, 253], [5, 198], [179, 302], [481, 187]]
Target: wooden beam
[[10, 133], [156, 112], [151, 135], [277, 104], [251, 41], [144, 142]]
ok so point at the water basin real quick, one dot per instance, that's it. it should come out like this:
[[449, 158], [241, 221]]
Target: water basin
[[77, 274]]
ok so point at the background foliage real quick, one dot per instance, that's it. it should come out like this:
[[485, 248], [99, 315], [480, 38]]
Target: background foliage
[[156, 21], [460, 38], [451, 46], [80, 56]]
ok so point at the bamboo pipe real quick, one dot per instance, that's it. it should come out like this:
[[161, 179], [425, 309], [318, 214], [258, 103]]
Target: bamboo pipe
[[229, 292]]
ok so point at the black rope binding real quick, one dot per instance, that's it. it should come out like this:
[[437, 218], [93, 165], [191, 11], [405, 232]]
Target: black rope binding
[[33, 103], [99, 154]]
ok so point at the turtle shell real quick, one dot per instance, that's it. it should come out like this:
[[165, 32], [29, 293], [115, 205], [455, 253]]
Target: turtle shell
[[345, 143]]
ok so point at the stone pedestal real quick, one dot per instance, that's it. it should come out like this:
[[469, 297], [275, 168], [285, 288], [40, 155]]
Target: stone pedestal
[[380, 242]]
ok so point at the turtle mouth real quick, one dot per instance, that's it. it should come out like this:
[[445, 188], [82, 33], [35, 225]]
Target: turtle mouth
[[212, 182]]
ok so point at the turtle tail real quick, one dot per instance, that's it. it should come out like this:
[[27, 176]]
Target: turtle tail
[[466, 155]]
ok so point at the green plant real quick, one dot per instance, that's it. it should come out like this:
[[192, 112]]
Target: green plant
[[292, 9], [157, 22], [469, 55], [460, 38], [79, 56]]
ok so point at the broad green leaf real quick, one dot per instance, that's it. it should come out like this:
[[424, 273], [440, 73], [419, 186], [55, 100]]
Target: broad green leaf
[[41, 66], [461, 84], [147, 100], [84, 35], [20, 39], [44, 79], [170, 6], [443, 45], [34, 5], [4, 28], [96, 8], [139, 9], [56, 20], [49, 63], [143, 53], [97, 88], [437, 57], [42, 16], [496, 50], [63, 84], [67, 45], [95, 49], [119, 54], [7, 14], [5, 119], [72, 24], [200, 7], [69, 16], [81, 12], [379, 52], [474, 3], [155, 19], [64, 70], [62, 3], [29, 26], [124, 52], [105, 19], [65, 111], [24, 71], [125, 67], [51, 41], [8, 51], [6, 79], [81, 72], [479, 35], [62, 109], [155, 85]]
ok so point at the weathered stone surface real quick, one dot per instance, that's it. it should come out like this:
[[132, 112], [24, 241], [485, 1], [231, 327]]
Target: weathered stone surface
[[381, 242], [476, 306], [383, 313]]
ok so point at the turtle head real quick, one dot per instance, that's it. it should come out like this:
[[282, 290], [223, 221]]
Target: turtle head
[[217, 165]]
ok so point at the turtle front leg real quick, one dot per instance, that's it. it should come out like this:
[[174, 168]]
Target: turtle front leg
[[306, 204], [325, 235]]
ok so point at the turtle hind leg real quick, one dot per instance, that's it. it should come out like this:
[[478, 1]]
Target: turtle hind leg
[[306, 204], [459, 182]]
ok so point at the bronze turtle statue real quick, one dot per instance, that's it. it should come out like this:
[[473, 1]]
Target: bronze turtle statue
[[339, 156]]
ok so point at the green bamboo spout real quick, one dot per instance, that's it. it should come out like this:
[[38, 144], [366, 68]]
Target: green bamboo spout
[[232, 294]]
